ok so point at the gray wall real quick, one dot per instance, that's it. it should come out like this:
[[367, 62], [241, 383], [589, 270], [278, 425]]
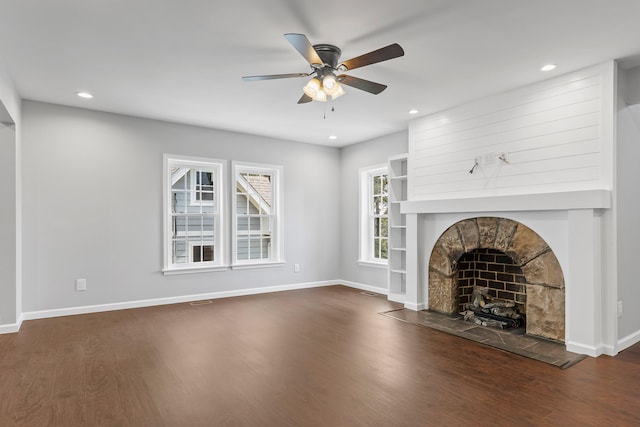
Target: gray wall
[[10, 195], [8, 220], [92, 185], [628, 204], [354, 157]]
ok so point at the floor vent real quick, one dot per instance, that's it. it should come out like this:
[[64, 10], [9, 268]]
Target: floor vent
[[202, 302], [369, 294]]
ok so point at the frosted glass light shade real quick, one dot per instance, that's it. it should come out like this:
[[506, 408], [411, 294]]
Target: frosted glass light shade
[[312, 88]]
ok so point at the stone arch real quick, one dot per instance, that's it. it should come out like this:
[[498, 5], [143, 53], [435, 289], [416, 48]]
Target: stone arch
[[543, 273]]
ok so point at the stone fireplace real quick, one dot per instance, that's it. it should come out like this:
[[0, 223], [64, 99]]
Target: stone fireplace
[[514, 262]]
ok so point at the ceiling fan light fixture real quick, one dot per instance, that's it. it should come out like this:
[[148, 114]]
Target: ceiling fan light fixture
[[320, 96], [329, 83], [338, 92], [312, 88]]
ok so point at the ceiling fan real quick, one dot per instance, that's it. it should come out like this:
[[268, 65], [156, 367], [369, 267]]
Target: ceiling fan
[[323, 58]]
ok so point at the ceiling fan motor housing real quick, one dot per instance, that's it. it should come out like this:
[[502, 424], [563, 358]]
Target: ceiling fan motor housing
[[329, 54]]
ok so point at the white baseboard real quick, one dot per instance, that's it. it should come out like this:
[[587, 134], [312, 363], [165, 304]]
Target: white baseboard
[[71, 311], [44, 314], [584, 349], [628, 341], [401, 298], [415, 307], [609, 350], [363, 287], [11, 328]]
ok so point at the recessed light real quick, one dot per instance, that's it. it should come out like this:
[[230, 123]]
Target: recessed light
[[85, 95], [333, 137], [414, 111], [548, 67]]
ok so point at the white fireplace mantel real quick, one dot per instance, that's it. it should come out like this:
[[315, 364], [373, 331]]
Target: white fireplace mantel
[[585, 199], [577, 237]]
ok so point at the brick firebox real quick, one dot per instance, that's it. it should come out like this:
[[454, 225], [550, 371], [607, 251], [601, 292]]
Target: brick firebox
[[543, 278], [494, 271]]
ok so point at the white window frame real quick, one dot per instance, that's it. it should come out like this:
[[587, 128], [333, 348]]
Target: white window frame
[[276, 257], [366, 257], [220, 241]]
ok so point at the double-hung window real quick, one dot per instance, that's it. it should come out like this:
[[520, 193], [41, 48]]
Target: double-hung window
[[193, 214], [374, 210], [257, 215]]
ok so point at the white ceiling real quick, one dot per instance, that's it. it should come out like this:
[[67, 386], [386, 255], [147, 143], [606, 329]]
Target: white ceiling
[[182, 61]]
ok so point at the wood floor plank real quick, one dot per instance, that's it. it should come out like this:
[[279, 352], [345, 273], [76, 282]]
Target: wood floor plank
[[314, 357]]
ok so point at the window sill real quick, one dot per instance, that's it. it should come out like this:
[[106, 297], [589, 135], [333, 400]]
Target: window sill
[[257, 265], [373, 264], [192, 270]]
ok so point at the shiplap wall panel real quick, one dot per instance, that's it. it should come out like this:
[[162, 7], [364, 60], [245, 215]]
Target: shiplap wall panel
[[578, 102], [551, 134]]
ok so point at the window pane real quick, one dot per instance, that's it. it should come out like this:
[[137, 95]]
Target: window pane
[[384, 205], [202, 253], [254, 225], [377, 205], [266, 248], [178, 201], [376, 248], [204, 186], [208, 226], [259, 248], [253, 205], [242, 248], [241, 204], [384, 227], [179, 251], [376, 227], [178, 178], [207, 253], [376, 184], [384, 248], [204, 179], [242, 223], [179, 226], [265, 226], [208, 209]]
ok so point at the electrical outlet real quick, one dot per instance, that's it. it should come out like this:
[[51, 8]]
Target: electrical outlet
[[81, 284], [296, 268], [619, 308]]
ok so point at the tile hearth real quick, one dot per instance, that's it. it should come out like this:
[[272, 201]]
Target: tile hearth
[[524, 345]]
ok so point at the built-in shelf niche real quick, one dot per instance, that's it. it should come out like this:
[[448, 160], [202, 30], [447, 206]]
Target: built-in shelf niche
[[397, 228]]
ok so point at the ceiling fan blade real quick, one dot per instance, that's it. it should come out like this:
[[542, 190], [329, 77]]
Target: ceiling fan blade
[[362, 84], [304, 99], [301, 43], [273, 77], [382, 54]]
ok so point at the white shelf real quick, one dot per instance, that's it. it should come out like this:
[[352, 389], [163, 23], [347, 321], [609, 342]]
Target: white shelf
[[397, 229]]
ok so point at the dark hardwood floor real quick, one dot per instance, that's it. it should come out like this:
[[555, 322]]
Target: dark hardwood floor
[[316, 357]]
